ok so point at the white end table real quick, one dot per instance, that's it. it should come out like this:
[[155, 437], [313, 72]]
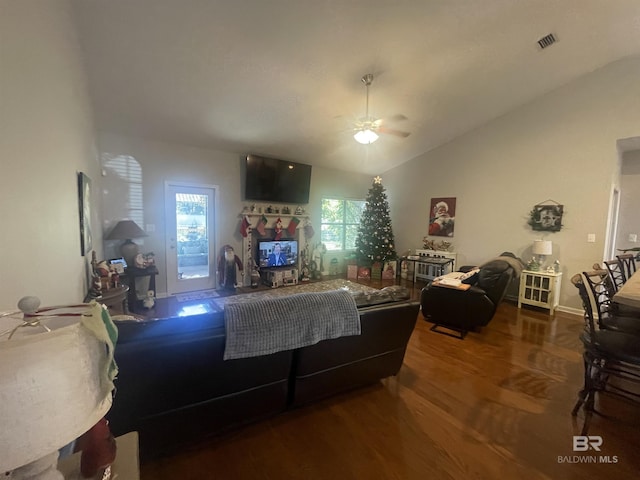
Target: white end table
[[540, 289]]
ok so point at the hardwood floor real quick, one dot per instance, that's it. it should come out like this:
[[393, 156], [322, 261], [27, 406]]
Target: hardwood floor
[[494, 405]]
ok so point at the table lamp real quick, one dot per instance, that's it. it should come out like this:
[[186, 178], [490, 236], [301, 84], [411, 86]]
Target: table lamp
[[56, 382], [542, 248], [126, 230]]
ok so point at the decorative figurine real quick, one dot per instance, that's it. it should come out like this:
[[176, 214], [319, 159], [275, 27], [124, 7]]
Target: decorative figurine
[[305, 274], [115, 278], [333, 267], [95, 291], [428, 244], [533, 265], [255, 276], [443, 246], [149, 259], [227, 262], [149, 301], [139, 261]]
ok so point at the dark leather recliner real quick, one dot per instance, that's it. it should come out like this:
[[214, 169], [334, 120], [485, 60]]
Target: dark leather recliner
[[465, 310]]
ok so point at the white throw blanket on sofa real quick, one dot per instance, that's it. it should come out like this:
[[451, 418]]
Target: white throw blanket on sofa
[[267, 326]]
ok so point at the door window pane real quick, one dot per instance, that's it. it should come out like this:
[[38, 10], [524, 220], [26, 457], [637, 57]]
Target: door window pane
[[192, 235]]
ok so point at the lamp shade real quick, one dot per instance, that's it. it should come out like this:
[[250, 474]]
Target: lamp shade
[[542, 247], [126, 230], [54, 385]]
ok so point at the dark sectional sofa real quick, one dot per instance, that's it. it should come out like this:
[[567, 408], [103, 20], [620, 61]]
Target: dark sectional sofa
[[174, 387]]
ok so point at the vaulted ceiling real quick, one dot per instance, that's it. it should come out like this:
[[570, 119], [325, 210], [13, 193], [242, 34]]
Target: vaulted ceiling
[[282, 78]]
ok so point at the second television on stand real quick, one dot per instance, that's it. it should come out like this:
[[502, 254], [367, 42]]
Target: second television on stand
[[278, 253]]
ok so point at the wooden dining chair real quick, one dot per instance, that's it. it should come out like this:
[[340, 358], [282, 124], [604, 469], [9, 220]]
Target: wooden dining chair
[[607, 354], [607, 313], [614, 267], [627, 264]]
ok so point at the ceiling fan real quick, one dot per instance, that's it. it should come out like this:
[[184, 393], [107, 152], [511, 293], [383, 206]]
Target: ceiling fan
[[368, 128]]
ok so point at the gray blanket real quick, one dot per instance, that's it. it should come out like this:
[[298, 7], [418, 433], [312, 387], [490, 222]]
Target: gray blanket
[[267, 326], [513, 262]]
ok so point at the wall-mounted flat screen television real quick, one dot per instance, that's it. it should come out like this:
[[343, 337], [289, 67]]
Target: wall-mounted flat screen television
[[278, 181], [277, 253]]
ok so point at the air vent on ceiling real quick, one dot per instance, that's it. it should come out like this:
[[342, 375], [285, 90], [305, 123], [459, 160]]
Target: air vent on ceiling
[[547, 41]]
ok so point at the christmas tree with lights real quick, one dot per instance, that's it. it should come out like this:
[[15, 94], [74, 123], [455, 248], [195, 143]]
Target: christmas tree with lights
[[374, 242]]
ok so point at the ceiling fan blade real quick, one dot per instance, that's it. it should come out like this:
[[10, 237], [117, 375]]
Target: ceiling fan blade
[[397, 118], [390, 131]]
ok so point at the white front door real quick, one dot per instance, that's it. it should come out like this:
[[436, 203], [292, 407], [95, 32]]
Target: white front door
[[190, 226]]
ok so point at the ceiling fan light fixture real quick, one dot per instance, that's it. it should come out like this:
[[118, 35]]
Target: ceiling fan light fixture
[[366, 136]]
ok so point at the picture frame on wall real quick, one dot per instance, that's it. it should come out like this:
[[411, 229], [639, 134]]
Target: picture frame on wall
[[442, 215], [546, 217], [84, 204]]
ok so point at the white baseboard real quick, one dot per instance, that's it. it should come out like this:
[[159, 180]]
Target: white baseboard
[[574, 311]]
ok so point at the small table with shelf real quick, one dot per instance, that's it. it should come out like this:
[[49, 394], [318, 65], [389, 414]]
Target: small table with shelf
[[540, 289], [116, 299], [129, 278], [426, 268]]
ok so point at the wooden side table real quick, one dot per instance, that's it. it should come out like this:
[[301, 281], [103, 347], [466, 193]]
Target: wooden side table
[[129, 277], [116, 299]]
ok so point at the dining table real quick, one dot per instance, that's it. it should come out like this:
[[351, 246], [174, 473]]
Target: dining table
[[629, 292]]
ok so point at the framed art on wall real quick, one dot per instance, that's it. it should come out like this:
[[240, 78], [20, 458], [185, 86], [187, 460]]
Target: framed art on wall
[[84, 204], [442, 214], [546, 217]]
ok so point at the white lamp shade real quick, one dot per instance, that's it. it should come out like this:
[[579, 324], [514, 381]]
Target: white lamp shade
[[542, 247], [54, 386], [366, 136]]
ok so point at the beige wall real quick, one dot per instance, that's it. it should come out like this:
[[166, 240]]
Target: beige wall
[[45, 139], [561, 147], [163, 162]]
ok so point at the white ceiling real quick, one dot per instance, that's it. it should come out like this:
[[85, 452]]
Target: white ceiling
[[282, 77]]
